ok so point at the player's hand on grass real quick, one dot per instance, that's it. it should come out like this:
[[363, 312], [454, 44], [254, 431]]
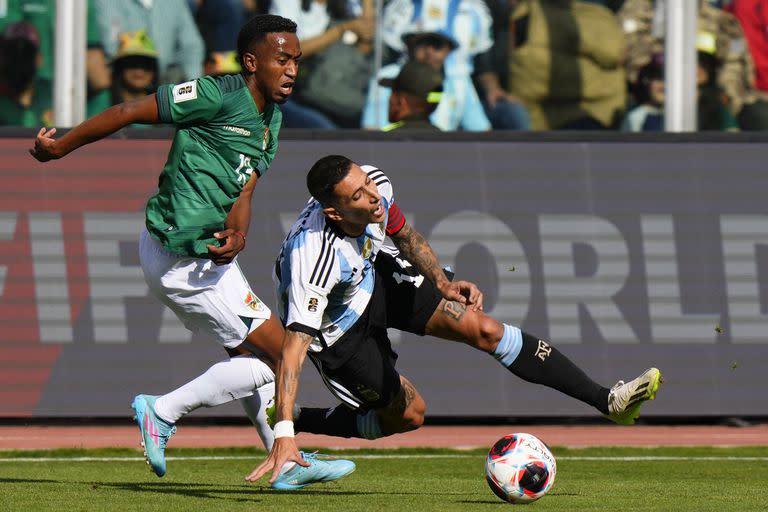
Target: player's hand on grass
[[234, 243], [464, 292], [284, 450], [44, 149]]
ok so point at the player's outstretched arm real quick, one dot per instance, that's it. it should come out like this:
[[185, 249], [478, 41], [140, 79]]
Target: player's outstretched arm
[[415, 248], [143, 110], [295, 346]]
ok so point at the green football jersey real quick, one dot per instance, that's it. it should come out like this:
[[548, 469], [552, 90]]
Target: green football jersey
[[221, 139]]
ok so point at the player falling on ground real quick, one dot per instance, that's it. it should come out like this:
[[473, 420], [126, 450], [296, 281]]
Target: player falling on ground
[[338, 292], [226, 138]]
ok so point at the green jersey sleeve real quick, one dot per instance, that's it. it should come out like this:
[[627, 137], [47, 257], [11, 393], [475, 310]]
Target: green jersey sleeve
[[191, 102]]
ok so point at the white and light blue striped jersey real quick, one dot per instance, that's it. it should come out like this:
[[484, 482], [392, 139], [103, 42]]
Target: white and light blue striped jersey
[[324, 278]]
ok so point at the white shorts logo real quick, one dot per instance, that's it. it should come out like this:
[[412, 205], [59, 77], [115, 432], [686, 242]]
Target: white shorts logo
[[185, 92]]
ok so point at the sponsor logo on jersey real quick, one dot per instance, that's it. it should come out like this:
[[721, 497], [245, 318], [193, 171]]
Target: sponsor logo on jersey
[[264, 139], [367, 248], [238, 130], [185, 92], [253, 302]]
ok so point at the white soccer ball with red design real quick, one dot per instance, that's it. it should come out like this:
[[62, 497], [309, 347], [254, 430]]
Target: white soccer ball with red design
[[520, 468]]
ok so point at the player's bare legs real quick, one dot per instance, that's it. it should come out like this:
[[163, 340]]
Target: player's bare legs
[[454, 321], [537, 361], [404, 413], [267, 338]]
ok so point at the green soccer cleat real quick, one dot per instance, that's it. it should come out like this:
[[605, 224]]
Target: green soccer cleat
[[625, 399], [322, 468], [271, 411]]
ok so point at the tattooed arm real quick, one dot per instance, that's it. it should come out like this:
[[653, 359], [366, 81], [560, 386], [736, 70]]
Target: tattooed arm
[[295, 346], [415, 248]]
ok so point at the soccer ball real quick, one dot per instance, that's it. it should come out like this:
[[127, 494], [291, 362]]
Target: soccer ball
[[520, 468]]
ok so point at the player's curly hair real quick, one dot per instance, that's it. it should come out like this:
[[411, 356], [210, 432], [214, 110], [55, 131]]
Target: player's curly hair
[[323, 177], [257, 28]]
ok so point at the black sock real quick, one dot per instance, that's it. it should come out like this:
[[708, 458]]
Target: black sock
[[541, 363], [339, 422]]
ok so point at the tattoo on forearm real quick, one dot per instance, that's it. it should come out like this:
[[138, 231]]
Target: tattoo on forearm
[[416, 249], [454, 310], [289, 376], [289, 381]]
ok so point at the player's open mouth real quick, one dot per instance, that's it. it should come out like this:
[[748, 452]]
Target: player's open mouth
[[286, 88], [379, 210]]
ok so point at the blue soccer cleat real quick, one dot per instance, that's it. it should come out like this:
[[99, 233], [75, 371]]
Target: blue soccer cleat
[[155, 432], [322, 468]]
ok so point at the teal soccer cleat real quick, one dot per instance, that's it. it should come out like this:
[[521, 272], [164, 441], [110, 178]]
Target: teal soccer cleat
[[322, 468], [155, 432]]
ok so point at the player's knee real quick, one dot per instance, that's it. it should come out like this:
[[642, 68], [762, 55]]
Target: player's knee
[[488, 333]]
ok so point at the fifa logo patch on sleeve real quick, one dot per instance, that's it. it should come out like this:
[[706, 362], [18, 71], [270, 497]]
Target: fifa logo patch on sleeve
[[185, 92], [312, 305]]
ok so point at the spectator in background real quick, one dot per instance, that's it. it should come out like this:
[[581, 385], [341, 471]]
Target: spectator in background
[[337, 42], [416, 92], [134, 68], [25, 97], [712, 110], [753, 19], [460, 106], [566, 64], [221, 63], [649, 95], [170, 25], [219, 22], [713, 113], [505, 111], [42, 14], [468, 23], [643, 24]]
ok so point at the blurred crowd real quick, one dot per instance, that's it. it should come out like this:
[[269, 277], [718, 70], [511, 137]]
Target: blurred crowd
[[472, 65]]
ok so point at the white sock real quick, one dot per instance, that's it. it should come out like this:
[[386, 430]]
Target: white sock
[[222, 383], [255, 407]]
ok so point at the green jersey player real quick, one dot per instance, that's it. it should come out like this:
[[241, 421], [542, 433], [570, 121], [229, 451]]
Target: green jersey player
[[196, 224]]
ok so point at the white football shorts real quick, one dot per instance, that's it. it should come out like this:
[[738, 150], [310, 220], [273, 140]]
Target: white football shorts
[[214, 300]]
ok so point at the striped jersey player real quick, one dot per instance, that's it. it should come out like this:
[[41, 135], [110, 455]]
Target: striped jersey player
[[338, 293], [324, 278]]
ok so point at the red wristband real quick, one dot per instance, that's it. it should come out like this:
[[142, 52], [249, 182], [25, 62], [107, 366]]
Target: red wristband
[[241, 235]]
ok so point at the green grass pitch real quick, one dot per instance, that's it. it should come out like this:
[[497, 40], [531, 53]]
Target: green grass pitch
[[599, 479]]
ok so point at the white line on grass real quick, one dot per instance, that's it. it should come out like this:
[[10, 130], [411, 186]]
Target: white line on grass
[[403, 456]]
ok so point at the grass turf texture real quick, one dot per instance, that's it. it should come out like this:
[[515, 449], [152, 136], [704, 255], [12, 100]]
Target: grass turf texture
[[604, 479]]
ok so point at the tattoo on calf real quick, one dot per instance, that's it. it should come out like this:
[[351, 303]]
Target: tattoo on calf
[[410, 393], [454, 310]]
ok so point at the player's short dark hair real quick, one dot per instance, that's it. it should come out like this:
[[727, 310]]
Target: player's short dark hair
[[257, 28], [323, 177]]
